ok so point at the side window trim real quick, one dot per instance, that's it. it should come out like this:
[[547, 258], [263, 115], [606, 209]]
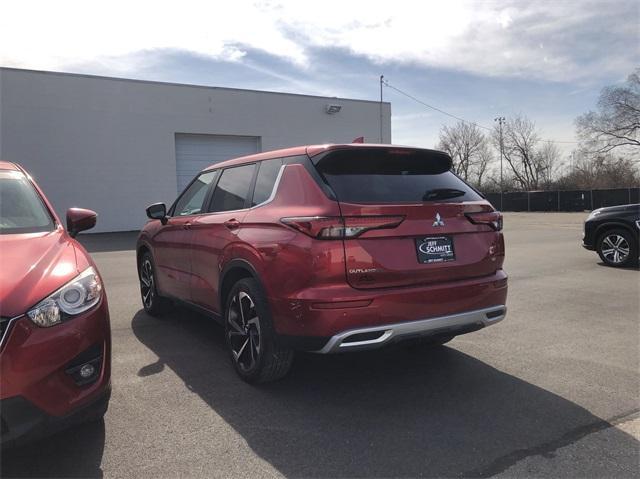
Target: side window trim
[[275, 186], [255, 181], [249, 199], [248, 202]]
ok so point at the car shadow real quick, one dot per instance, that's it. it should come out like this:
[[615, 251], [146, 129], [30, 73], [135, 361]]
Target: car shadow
[[75, 452], [633, 267], [393, 412], [105, 242]]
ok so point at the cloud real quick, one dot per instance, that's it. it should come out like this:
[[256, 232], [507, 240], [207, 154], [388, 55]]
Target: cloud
[[582, 40]]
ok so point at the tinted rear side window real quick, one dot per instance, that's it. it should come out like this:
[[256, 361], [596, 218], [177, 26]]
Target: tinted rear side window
[[393, 176], [232, 189], [266, 180]]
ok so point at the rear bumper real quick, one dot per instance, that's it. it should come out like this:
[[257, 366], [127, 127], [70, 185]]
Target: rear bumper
[[370, 338], [312, 319]]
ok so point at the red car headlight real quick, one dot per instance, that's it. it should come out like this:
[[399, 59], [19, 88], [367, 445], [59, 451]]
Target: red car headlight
[[77, 296]]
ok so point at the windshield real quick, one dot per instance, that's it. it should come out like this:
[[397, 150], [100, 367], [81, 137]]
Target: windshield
[[21, 208]]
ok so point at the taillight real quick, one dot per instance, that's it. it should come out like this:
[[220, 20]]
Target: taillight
[[490, 218], [340, 227]]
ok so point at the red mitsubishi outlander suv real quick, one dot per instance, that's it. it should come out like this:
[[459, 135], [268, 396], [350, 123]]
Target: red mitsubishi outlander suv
[[55, 340], [328, 248]]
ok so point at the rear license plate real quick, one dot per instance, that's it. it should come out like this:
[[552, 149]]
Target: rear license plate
[[435, 249]]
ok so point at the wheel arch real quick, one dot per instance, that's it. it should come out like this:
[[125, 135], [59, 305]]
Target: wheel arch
[[611, 225], [233, 272]]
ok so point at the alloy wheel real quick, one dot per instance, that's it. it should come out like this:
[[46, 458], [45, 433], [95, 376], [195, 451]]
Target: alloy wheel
[[243, 331], [147, 285], [615, 248]]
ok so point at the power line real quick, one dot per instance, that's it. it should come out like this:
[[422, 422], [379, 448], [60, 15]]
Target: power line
[[386, 83], [417, 100]]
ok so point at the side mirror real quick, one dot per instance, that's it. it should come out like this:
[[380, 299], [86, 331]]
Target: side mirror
[[79, 219], [157, 211]]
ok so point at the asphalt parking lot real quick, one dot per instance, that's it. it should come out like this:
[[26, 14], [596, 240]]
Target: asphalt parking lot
[[551, 391]]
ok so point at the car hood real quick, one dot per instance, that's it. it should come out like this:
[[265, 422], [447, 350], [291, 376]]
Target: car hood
[[619, 209], [34, 265]]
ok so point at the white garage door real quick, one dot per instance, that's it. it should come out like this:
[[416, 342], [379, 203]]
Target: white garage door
[[196, 152]]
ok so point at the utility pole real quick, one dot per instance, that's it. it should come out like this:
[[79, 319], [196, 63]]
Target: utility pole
[[381, 83], [501, 120]]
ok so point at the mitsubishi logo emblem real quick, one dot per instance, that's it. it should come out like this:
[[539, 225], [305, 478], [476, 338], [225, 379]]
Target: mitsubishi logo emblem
[[438, 221]]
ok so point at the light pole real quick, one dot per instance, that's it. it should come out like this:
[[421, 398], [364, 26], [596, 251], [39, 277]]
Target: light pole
[[381, 83], [501, 120]]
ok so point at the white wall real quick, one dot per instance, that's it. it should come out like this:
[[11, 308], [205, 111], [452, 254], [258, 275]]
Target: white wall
[[108, 144]]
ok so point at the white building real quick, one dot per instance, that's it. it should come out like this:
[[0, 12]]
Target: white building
[[116, 145]]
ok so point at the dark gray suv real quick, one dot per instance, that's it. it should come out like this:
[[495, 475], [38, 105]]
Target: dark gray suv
[[613, 233]]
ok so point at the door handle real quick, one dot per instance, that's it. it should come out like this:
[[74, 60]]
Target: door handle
[[232, 224], [186, 226]]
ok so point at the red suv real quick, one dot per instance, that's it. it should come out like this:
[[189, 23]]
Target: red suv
[[55, 340], [329, 249]]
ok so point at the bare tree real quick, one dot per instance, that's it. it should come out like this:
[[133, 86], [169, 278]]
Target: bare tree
[[549, 162], [468, 147], [491, 180], [520, 149], [601, 171], [485, 158], [616, 124]]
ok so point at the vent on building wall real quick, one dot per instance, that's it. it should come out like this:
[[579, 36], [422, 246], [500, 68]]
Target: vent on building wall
[[332, 109]]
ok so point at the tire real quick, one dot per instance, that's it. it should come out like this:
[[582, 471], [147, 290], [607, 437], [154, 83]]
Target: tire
[[617, 247], [152, 302], [250, 336]]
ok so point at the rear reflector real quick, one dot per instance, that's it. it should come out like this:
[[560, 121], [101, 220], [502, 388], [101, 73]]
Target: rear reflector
[[494, 314], [490, 218], [339, 227]]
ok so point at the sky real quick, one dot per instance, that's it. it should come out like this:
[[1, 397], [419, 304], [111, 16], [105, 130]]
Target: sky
[[477, 60]]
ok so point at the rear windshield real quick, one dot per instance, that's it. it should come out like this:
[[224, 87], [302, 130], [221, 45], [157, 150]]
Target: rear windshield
[[393, 176], [21, 208]]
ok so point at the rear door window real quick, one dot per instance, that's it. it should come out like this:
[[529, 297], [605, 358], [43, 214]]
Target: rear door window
[[232, 190], [382, 176], [266, 180]]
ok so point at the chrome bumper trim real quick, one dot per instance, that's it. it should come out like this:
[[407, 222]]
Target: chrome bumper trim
[[423, 327], [7, 329]]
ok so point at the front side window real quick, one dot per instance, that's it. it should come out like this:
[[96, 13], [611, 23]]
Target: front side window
[[233, 189], [266, 180], [21, 208], [191, 201]]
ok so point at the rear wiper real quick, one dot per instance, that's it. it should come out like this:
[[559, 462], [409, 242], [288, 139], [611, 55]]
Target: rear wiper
[[442, 194]]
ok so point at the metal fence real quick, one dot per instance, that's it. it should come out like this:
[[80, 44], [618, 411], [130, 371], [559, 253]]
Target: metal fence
[[557, 200]]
